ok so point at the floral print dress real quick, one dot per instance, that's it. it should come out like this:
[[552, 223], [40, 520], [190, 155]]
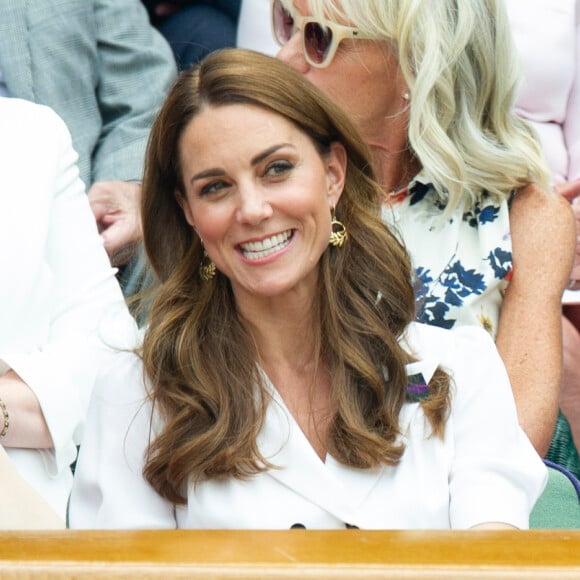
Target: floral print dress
[[463, 262]]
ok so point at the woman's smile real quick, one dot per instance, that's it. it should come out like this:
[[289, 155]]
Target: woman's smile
[[259, 194], [257, 250]]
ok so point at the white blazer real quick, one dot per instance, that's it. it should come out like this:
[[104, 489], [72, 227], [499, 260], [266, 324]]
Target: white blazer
[[56, 285], [485, 470]]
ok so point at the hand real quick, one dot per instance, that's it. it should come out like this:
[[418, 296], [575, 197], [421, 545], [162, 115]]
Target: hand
[[167, 8], [575, 274], [116, 208], [570, 190]]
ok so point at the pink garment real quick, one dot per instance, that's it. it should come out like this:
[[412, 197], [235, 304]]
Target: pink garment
[[547, 36]]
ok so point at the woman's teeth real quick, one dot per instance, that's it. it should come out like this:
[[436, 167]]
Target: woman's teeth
[[267, 246]]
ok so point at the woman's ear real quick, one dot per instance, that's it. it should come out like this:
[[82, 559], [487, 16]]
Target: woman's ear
[[336, 163], [184, 204]]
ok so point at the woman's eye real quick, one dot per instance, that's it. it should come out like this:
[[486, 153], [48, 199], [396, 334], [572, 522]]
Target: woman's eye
[[278, 168], [287, 19], [213, 187]]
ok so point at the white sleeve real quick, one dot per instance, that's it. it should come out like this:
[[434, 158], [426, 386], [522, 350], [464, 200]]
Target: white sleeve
[[109, 490], [496, 475], [84, 295]]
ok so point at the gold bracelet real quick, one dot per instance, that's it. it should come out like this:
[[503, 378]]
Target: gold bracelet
[[6, 419]]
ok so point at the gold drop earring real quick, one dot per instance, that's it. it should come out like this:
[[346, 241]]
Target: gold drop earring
[[338, 235], [207, 268]]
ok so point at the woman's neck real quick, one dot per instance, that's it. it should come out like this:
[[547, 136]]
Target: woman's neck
[[394, 168], [394, 162], [288, 354], [282, 332]]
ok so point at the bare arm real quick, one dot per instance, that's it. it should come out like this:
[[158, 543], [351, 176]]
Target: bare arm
[[529, 337]]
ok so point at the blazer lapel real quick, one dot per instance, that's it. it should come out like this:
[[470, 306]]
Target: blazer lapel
[[333, 487], [15, 58]]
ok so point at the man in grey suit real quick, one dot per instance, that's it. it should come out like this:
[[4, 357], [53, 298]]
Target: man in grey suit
[[103, 67]]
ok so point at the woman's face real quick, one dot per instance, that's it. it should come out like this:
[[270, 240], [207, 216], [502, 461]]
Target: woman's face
[[364, 78], [259, 195]]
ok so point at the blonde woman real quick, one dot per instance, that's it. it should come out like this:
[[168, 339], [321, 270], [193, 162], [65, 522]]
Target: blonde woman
[[432, 87]]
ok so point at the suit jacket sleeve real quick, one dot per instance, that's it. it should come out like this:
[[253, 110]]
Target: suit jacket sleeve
[[136, 69]]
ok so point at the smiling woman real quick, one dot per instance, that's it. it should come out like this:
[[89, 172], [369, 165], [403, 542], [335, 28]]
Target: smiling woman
[[281, 381], [259, 195]]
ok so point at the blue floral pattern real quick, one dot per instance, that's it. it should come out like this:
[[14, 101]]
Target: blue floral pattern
[[462, 263]]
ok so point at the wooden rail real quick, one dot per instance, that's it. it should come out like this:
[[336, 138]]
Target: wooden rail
[[303, 554]]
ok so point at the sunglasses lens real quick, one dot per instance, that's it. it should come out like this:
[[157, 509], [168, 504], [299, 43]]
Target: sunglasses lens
[[283, 23], [317, 41]]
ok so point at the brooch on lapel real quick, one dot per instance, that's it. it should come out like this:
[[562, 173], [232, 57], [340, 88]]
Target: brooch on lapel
[[417, 388]]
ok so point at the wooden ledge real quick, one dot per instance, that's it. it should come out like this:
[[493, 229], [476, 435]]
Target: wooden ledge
[[321, 555]]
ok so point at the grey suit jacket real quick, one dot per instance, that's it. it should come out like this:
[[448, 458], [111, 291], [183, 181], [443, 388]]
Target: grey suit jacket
[[100, 65]]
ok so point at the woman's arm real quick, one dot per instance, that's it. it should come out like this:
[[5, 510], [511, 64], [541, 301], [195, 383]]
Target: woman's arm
[[529, 336], [48, 391], [26, 426]]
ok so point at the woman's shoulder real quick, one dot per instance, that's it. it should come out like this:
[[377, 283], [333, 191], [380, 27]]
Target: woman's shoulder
[[121, 379], [23, 114], [32, 135], [420, 333], [469, 355], [545, 209], [451, 349]]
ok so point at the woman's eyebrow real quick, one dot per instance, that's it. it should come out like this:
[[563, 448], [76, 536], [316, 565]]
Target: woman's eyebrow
[[265, 154], [217, 172]]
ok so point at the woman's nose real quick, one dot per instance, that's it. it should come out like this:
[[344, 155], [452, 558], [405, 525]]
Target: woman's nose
[[253, 207], [292, 53]]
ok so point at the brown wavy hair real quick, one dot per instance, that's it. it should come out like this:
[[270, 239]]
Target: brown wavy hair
[[200, 360]]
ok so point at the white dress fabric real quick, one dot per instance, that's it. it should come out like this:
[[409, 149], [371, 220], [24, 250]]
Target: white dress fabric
[[485, 469], [58, 288]]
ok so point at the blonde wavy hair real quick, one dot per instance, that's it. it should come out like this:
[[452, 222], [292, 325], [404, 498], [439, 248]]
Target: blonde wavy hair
[[200, 360], [459, 62]]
